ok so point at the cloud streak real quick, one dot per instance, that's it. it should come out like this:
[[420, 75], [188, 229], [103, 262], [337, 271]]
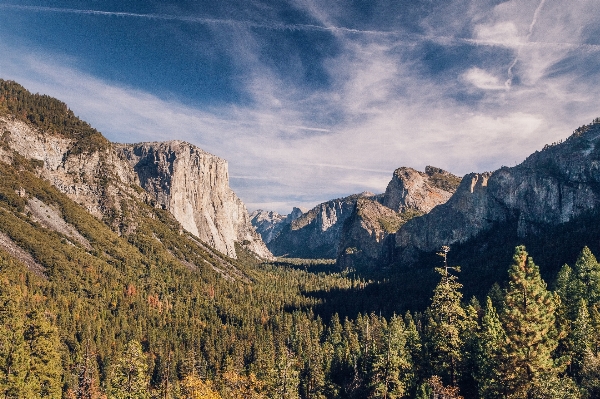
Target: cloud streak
[[408, 38], [536, 14], [202, 20]]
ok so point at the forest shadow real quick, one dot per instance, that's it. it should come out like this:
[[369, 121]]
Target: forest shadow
[[313, 266], [484, 260]]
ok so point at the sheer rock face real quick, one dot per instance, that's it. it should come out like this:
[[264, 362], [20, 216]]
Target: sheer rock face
[[316, 234], [194, 186], [550, 187], [96, 180], [421, 191], [367, 239], [365, 236], [269, 223]]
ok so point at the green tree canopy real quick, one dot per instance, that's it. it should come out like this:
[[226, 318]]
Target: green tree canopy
[[529, 322]]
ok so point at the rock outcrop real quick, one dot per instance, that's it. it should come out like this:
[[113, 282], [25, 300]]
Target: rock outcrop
[[365, 235], [97, 180], [550, 187], [194, 186], [368, 236], [190, 183], [269, 223], [316, 234], [420, 191]]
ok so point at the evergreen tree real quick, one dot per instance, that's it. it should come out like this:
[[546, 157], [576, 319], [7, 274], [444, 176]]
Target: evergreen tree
[[14, 354], [590, 376], [239, 386], [314, 368], [87, 382], [582, 282], [193, 387], [585, 364], [497, 296], [470, 337], [564, 313], [391, 372], [446, 324], [414, 346], [529, 322], [563, 282], [587, 278], [491, 355], [285, 375], [45, 369], [129, 377], [344, 376], [581, 338]]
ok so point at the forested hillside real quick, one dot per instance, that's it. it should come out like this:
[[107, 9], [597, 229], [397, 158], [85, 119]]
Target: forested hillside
[[146, 310]]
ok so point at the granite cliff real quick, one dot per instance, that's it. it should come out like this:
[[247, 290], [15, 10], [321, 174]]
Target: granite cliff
[[316, 233], [194, 186], [419, 191], [550, 187], [368, 236], [105, 178], [97, 179]]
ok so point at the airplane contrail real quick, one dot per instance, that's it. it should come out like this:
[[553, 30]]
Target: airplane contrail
[[408, 38], [536, 13], [203, 20]]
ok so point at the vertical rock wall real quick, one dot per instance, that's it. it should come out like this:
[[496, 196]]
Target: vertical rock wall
[[194, 186]]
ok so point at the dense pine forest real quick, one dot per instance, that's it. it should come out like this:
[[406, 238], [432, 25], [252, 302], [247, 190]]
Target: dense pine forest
[[143, 310]]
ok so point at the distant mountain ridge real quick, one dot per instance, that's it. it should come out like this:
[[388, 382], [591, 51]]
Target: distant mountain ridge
[[270, 223], [549, 188], [353, 229], [316, 233], [368, 237]]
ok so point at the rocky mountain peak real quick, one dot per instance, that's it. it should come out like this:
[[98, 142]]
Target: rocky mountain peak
[[550, 187], [367, 238], [295, 213], [269, 223], [420, 191]]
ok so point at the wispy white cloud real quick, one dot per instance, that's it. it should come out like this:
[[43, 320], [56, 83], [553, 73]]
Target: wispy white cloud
[[482, 79], [536, 14]]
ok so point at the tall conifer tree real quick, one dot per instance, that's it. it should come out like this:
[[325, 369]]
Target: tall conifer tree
[[491, 355], [391, 371], [529, 323], [582, 338], [446, 324], [587, 278], [129, 378]]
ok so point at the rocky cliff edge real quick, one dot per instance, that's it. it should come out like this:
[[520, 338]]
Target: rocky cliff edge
[[194, 186], [550, 187]]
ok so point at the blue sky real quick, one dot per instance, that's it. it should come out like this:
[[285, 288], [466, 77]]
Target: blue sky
[[313, 100]]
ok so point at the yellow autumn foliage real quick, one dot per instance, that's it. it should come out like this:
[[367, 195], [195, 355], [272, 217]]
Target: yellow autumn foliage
[[193, 387]]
